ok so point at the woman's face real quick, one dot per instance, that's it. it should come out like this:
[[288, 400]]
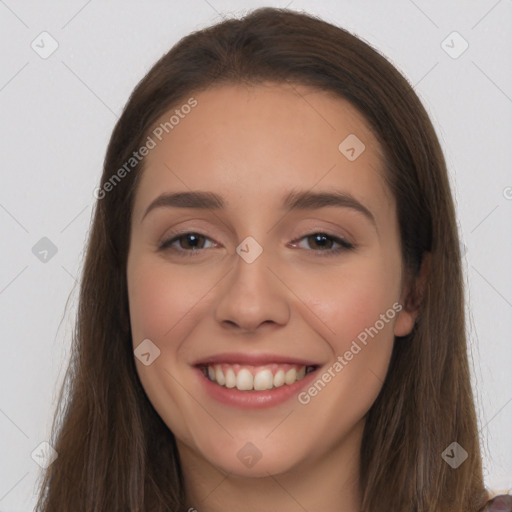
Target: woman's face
[[291, 263]]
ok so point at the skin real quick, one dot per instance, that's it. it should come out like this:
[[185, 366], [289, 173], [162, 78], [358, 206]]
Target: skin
[[253, 145]]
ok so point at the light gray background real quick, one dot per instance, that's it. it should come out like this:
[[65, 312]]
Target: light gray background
[[57, 114]]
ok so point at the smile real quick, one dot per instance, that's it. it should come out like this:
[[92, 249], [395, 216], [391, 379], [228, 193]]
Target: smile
[[255, 378]]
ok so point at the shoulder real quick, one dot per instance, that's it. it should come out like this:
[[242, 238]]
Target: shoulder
[[501, 503]]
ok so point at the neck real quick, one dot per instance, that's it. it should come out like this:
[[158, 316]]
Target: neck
[[324, 482]]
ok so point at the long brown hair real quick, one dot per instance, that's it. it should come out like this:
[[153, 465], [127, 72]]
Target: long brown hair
[[114, 451]]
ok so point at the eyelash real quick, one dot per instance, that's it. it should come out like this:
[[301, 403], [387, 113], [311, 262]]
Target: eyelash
[[344, 245]]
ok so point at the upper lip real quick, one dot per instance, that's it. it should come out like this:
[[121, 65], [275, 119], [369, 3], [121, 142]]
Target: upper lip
[[253, 359]]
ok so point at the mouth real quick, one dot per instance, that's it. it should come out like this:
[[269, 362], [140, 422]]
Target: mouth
[[249, 378]]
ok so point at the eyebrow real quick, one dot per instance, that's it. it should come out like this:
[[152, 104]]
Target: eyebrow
[[295, 200]]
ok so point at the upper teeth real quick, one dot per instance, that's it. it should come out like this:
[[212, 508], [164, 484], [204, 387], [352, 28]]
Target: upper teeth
[[249, 378]]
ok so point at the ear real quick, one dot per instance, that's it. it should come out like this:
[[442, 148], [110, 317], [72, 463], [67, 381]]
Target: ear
[[411, 299]]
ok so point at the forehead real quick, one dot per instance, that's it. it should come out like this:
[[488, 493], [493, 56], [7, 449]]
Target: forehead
[[258, 142]]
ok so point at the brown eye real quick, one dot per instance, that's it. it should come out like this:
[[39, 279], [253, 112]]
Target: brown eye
[[191, 241], [323, 242], [186, 242], [320, 240]]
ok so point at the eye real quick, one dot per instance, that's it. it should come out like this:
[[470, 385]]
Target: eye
[[324, 242], [187, 242], [191, 243]]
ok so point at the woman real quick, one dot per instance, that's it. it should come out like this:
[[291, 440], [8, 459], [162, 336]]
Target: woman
[[271, 312]]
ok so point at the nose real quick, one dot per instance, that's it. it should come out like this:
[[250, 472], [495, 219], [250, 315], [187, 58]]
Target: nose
[[252, 296]]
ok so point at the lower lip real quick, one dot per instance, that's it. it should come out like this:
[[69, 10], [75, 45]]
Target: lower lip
[[254, 399]]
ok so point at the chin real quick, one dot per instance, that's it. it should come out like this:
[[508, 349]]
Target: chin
[[245, 460], [262, 468]]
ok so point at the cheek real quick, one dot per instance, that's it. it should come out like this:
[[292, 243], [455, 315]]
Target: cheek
[[163, 299], [352, 299], [163, 307], [357, 306]]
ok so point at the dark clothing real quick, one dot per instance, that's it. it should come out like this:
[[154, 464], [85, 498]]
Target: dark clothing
[[501, 503]]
